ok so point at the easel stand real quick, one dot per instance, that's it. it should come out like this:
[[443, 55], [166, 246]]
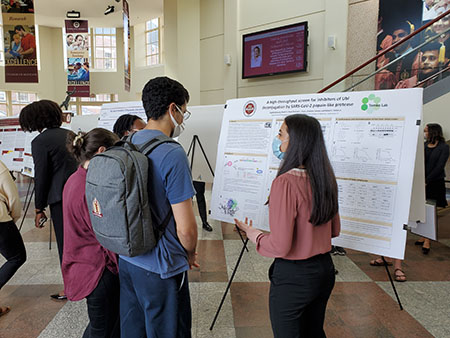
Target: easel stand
[[27, 202], [194, 141], [244, 247], [392, 282]]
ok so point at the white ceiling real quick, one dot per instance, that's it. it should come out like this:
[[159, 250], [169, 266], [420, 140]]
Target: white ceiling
[[53, 12]]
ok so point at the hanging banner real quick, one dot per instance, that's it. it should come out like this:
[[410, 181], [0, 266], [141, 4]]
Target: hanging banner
[[126, 44], [19, 41], [77, 41]]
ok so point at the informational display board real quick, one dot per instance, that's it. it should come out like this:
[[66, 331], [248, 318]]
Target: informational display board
[[112, 111], [15, 146], [205, 123], [371, 139], [427, 229], [84, 122]]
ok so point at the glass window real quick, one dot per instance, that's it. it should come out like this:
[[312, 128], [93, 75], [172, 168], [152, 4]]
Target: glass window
[[105, 53], [152, 41], [3, 109]]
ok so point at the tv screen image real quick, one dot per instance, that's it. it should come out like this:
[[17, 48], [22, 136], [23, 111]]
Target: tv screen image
[[275, 51]]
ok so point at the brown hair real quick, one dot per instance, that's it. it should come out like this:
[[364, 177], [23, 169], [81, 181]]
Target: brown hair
[[83, 146]]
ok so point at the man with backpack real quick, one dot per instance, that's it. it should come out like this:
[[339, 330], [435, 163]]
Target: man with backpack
[[154, 289]]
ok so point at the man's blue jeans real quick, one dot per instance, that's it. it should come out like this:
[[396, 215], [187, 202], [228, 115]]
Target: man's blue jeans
[[153, 307]]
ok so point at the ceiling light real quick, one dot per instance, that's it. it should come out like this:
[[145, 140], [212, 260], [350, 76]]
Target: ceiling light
[[73, 14], [109, 10]]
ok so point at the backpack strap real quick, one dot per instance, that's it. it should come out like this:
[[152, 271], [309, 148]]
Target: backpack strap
[[148, 147]]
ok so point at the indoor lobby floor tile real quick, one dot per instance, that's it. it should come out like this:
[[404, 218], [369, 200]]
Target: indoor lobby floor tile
[[361, 305]]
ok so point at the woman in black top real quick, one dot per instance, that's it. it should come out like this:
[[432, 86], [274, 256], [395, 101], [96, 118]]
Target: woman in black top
[[52, 165], [436, 155]]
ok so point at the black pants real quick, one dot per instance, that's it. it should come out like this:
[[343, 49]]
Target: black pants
[[201, 202], [13, 249], [57, 219], [299, 292], [103, 308]]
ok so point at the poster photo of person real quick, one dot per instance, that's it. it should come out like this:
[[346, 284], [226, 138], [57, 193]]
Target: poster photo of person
[[434, 8], [397, 19], [256, 59], [77, 71], [17, 6], [20, 44]]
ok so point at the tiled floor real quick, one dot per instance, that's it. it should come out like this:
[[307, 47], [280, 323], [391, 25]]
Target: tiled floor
[[362, 303]]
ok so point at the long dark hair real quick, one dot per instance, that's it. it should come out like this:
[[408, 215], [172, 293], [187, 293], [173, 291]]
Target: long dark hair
[[307, 149], [39, 115], [435, 133], [83, 146]]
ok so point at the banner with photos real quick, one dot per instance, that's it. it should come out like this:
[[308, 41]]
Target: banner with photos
[[421, 68], [126, 44], [19, 41], [77, 44]]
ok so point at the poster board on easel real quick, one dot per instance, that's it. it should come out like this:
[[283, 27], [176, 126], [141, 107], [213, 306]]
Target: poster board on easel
[[428, 228], [371, 140]]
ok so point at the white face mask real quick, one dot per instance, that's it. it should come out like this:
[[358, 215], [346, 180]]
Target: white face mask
[[179, 128]]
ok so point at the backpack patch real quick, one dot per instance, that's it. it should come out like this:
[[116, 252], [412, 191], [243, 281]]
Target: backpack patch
[[96, 210]]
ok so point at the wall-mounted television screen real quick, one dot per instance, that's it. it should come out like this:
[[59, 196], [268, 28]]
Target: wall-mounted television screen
[[275, 51]]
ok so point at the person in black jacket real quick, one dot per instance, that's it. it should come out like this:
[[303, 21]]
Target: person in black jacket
[[52, 164], [436, 156]]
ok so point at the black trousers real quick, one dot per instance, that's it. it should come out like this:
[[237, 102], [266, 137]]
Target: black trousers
[[13, 249], [299, 292], [201, 202], [103, 308], [57, 219]]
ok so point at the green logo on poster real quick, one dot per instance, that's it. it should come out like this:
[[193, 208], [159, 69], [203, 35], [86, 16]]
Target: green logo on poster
[[370, 103]]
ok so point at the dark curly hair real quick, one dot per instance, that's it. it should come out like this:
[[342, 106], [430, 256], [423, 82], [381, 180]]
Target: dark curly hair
[[40, 115], [435, 133], [124, 124], [83, 146], [159, 93]]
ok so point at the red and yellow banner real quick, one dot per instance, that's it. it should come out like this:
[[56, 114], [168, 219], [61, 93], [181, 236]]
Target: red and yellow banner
[[77, 44], [19, 41]]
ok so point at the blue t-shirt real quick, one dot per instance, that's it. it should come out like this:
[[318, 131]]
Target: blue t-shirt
[[170, 182]]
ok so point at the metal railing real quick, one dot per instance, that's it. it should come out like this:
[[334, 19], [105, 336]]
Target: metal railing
[[385, 51]]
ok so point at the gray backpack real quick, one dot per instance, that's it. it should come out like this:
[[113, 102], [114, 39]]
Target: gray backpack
[[117, 198]]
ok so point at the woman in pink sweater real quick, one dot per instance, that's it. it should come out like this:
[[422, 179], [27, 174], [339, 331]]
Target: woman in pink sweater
[[303, 217]]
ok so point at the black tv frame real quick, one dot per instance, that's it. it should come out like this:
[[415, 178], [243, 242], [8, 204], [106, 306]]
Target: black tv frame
[[305, 48]]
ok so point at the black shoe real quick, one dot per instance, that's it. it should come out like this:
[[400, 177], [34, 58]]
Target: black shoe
[[58, 297], [207, 227], [340, 251], [418, 242], [425, 251], [333, 251]]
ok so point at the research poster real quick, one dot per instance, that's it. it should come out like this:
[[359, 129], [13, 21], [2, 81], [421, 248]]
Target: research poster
[[15, 147], [371, 140]]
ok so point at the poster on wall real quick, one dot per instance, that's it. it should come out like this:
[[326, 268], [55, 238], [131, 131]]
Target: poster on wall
[[126, 44], [371, 141], [396, 20], [19, 41], [77, 44]]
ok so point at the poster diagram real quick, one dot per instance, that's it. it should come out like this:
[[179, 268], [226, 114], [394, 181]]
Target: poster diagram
[[372, 154]]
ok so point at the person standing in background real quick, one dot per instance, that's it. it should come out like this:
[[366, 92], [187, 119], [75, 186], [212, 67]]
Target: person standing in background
[[52, 165], [436, 156], [126, 124], [11, 242]]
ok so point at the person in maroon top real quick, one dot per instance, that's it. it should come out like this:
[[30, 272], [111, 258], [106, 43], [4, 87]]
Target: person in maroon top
[[89, 270], [303, 217]]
